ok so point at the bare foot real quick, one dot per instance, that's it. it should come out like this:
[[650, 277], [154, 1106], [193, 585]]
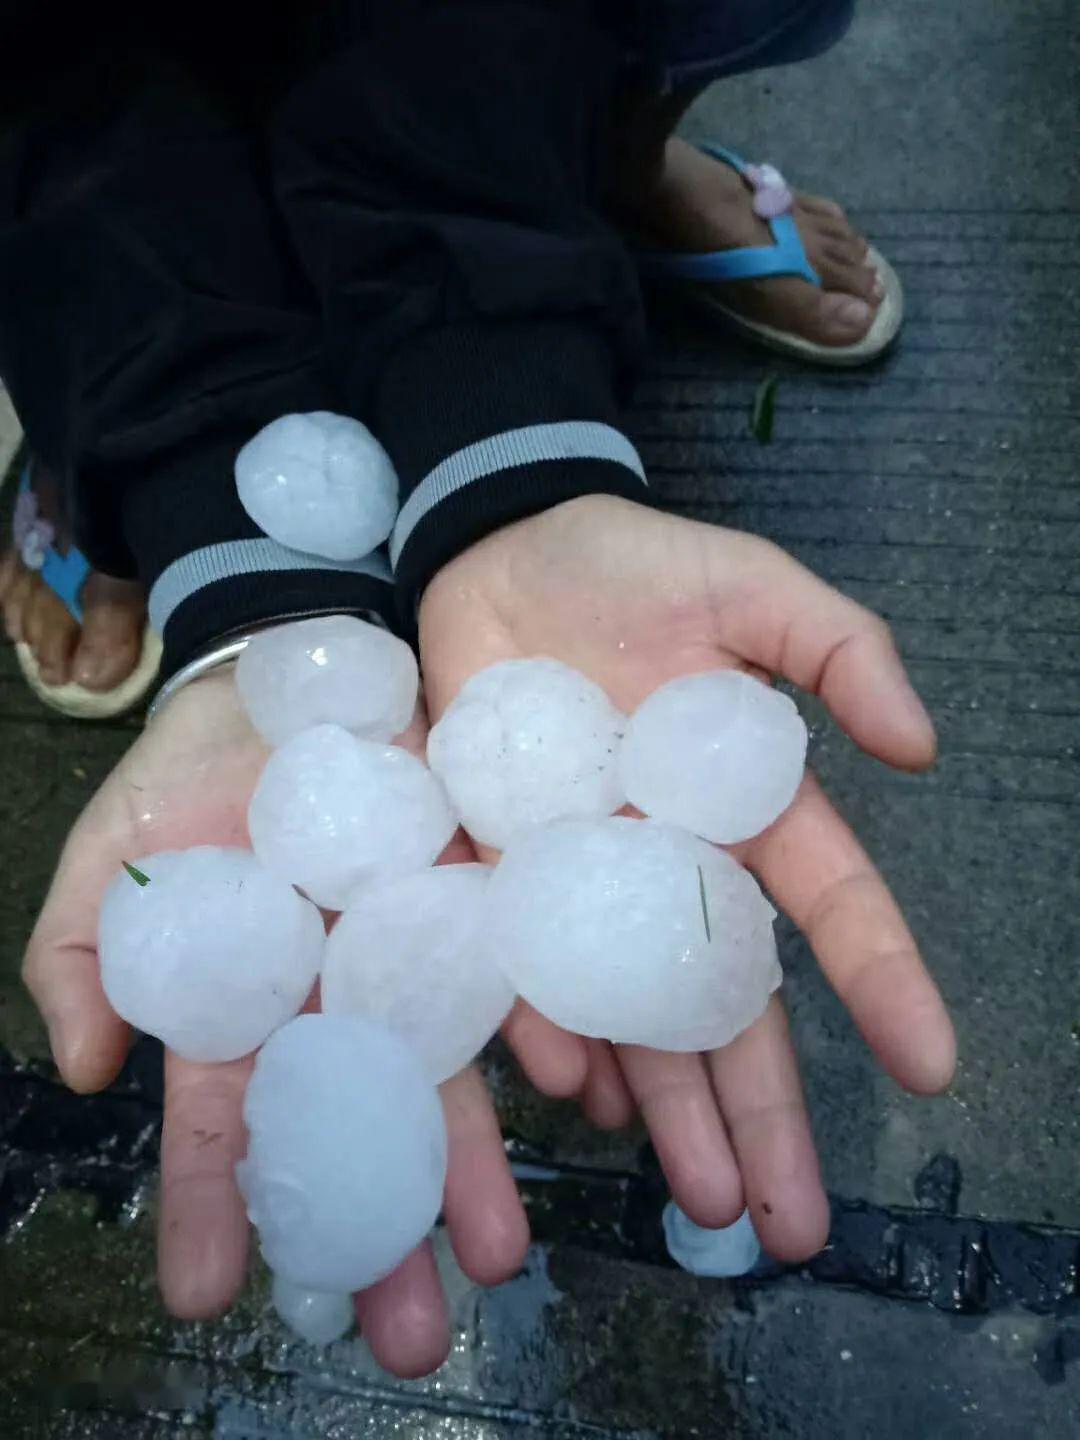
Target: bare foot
[[697, 203], [101, 652]]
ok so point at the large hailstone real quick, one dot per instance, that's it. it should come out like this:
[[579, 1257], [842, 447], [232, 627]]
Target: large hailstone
[[527, 741], [730, 1250], [346, 1156], [334, 670], [407, 953], [719, 753], [330, 812], [315, 1315], [632, 931], [211, 955], [320, 483]]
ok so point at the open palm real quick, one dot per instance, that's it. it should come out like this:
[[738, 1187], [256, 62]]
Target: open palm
[[634, 598], [187, 781]]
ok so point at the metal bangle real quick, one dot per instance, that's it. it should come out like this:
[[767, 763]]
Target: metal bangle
[[195, 669]]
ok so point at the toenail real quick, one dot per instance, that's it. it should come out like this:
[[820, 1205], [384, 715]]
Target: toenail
[[879, 288], [852, 312]]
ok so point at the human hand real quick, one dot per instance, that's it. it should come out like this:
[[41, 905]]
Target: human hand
[[633, 598], [187, 781]]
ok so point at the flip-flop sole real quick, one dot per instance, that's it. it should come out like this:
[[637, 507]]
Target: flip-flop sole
[[79, 703], [881, 335]]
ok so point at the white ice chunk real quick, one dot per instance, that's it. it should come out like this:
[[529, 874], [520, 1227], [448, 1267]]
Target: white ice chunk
[[320, 483], [346, 1156], [316, 1316], [720, 753], [732, 1250], [211, 955], [632, 931], [330, 812], [334, 670], [527, 741], [407, 953]]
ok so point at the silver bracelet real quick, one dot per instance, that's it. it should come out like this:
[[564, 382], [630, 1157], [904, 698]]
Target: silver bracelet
[[196, 669], [229, 650]]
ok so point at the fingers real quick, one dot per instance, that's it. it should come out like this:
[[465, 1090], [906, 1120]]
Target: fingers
[[819, 873], [679, 1107], [403, 1318], [202, 1224], [88, 1039], [484, 1215], [556, 1061], [793, 624], [757, 1082], [605, 1097]]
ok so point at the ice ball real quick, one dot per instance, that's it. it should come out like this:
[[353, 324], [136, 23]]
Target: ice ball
[[211, 954], [331, 811], [719, 753], [320, 483], [334, 670], [632, 931], [526, 741], [346, 1156], [407, 954], [725, 1251], [316, 1316]]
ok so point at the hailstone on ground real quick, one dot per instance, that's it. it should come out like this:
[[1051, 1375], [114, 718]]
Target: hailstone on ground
[[346, 1157], [730, 1250], [333, 669], [316, 1316], [527, 741], [407, 953], [330, 812], [320, 483], [720, 753], [211, 954], [632, 931]]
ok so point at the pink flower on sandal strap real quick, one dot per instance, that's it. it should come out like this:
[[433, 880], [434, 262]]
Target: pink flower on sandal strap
[[33, 534], [772, 195]]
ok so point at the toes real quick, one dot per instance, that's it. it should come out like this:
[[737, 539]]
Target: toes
[[51, 631], [842, 274], [842, 319], [111, 640], [14, 603], [827, 209]]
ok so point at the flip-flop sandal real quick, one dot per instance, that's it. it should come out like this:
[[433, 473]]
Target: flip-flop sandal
[[707, 272], [65, 576]]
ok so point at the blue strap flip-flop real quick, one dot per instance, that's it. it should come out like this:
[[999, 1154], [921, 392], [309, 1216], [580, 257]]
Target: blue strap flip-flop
[[65, 574], [705, 273]]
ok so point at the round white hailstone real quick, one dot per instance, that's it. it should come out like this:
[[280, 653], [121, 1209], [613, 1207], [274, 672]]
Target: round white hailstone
[[527, 741], [331, 812], [211, 955], [331, 670], [631, 931], [320, 483], [316, 1316], [407, 953], [731, 1250], [719, 753], [346, 1157]]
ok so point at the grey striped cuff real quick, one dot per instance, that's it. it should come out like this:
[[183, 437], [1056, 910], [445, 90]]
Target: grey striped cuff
[[561, 440], [191, 573]]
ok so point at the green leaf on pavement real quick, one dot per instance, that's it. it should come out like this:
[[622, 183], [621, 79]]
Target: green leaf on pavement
[[764, 410]]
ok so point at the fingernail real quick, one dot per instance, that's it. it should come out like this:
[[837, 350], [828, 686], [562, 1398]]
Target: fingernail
[[853, 312]]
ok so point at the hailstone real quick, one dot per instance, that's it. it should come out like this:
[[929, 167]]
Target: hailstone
[[632, 931], [729, 1250], [346, 1156], [333, 669], [527, 741], [407, 953], [719, 753], [317, 1316], [210, 954], [330, 812], [320, 483]]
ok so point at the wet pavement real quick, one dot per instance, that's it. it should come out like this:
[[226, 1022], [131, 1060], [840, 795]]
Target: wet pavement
[[941, 489]]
